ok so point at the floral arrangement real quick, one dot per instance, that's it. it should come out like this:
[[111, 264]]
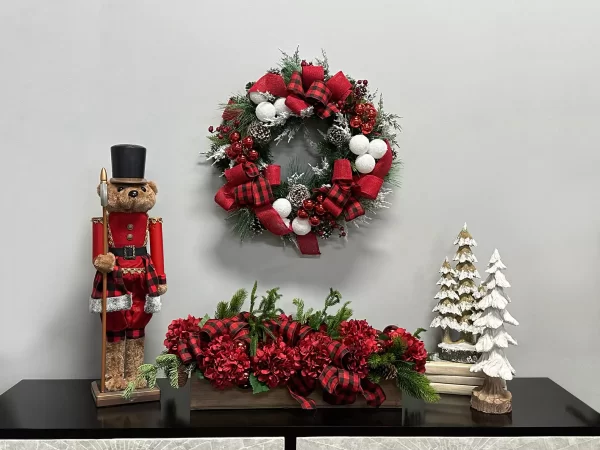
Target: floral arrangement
[[357, 152], [263, 349]]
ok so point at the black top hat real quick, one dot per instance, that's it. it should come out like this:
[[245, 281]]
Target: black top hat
[[128, 163]]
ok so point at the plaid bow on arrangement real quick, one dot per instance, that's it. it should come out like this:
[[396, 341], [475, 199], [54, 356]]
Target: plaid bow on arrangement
[[309, 88], [247, 186]]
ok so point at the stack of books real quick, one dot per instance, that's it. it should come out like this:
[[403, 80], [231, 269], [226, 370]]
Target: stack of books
[[452, 378]]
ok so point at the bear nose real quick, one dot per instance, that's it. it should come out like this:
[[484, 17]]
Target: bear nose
[[133, 194]]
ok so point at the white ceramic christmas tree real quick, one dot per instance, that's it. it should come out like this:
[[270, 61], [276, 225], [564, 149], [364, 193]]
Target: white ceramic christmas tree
[[447, 307], [493, 397]]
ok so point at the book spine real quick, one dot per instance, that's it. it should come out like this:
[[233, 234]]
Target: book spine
[[449, 379], [452, 389]]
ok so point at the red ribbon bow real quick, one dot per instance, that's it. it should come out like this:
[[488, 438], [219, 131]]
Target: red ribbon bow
[[345, 189], [247, 186], [311, 87]]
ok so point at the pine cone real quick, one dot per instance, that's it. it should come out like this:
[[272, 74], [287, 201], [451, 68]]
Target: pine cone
[[256, 227], [389, 372], [338, 135], [297, 194], [182, 376], [259, 132]]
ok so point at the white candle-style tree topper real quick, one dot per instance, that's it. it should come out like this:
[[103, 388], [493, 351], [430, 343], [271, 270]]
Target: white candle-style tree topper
[[493, 397]]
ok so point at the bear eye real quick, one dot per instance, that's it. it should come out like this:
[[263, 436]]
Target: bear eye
[[120, 188], [143, 188]]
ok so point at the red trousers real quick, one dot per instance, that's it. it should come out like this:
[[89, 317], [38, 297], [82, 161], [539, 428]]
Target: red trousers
[[129, 323]]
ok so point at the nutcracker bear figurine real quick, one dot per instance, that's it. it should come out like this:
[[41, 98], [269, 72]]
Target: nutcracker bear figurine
[[132, 280]]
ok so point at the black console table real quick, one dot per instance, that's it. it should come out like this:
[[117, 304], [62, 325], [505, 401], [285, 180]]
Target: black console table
[[64, 409]]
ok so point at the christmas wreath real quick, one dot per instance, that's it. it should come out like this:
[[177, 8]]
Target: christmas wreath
[[356, 153], [264, 348]]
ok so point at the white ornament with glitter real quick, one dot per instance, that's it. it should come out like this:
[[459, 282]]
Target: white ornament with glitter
[[283, 207], [281, 108], [377, 148], [359, 144], [265, 112], [301, 226], [257, 97], [365, 163]]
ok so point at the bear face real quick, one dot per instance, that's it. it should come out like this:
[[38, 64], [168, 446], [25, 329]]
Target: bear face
[[131, 197]]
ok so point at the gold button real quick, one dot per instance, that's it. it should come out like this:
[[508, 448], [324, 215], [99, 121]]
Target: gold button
[[130, 226], [129, 237]]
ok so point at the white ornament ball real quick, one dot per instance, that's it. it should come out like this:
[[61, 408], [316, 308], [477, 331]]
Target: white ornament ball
[[281, 107], [265, 112], [365, 163], [257, 97], [377, 148], [301, 226], [359, 144], [283, 207]]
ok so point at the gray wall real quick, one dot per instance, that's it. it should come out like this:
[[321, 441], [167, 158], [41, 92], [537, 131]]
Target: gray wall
[[501, 109]]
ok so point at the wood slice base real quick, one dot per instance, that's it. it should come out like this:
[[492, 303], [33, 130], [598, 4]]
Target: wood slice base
[[115, 398], [203, 397], [497, 403], [458, 356]]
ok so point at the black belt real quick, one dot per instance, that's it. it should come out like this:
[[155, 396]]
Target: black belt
[[129, 251]]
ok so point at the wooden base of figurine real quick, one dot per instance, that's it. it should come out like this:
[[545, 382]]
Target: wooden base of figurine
[[116, 398], [492, 397]]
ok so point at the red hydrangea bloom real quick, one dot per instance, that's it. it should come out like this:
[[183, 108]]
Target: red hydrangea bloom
[[361, 340], [314, 355], [275, 363], [225, 362], [180, 330], [415, 348]]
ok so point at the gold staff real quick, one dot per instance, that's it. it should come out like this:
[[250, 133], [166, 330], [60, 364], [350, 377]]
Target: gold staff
[[104, 203]]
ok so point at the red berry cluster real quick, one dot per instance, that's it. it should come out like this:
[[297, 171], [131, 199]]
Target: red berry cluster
[[365, 116], [240, 149], [317, 215], [360, 89]]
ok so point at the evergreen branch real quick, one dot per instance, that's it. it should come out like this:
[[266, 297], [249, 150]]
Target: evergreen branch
[[290, 64], [241, 220], [237, 302], [323, 61], [253, 296], [417, 333], [299, 316], [416, 385], [221, 311]]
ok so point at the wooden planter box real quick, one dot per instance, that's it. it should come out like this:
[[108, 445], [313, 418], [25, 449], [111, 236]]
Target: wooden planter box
[[203, 396]]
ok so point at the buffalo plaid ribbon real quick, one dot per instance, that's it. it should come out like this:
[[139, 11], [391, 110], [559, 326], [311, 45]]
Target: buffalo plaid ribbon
[[237, 327], [248, 186], [346, 188], [309, 88], [341, 386], [116, 285]]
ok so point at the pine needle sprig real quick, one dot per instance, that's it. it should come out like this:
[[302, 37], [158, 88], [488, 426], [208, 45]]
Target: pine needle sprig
[[290, 64], [241, 221], [166, 362], [323, 61], [415, 384], [225, 310]]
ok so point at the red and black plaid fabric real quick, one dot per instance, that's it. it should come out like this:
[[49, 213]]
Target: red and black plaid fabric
[[189, 351], [135, 334], [319, 92], [340, 386], [353, 209], [300, 388], [116, 285], [295, 85], [257, 192], [115, 336]]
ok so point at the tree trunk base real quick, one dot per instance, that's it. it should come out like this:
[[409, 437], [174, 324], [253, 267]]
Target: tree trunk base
[[491, 401]]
